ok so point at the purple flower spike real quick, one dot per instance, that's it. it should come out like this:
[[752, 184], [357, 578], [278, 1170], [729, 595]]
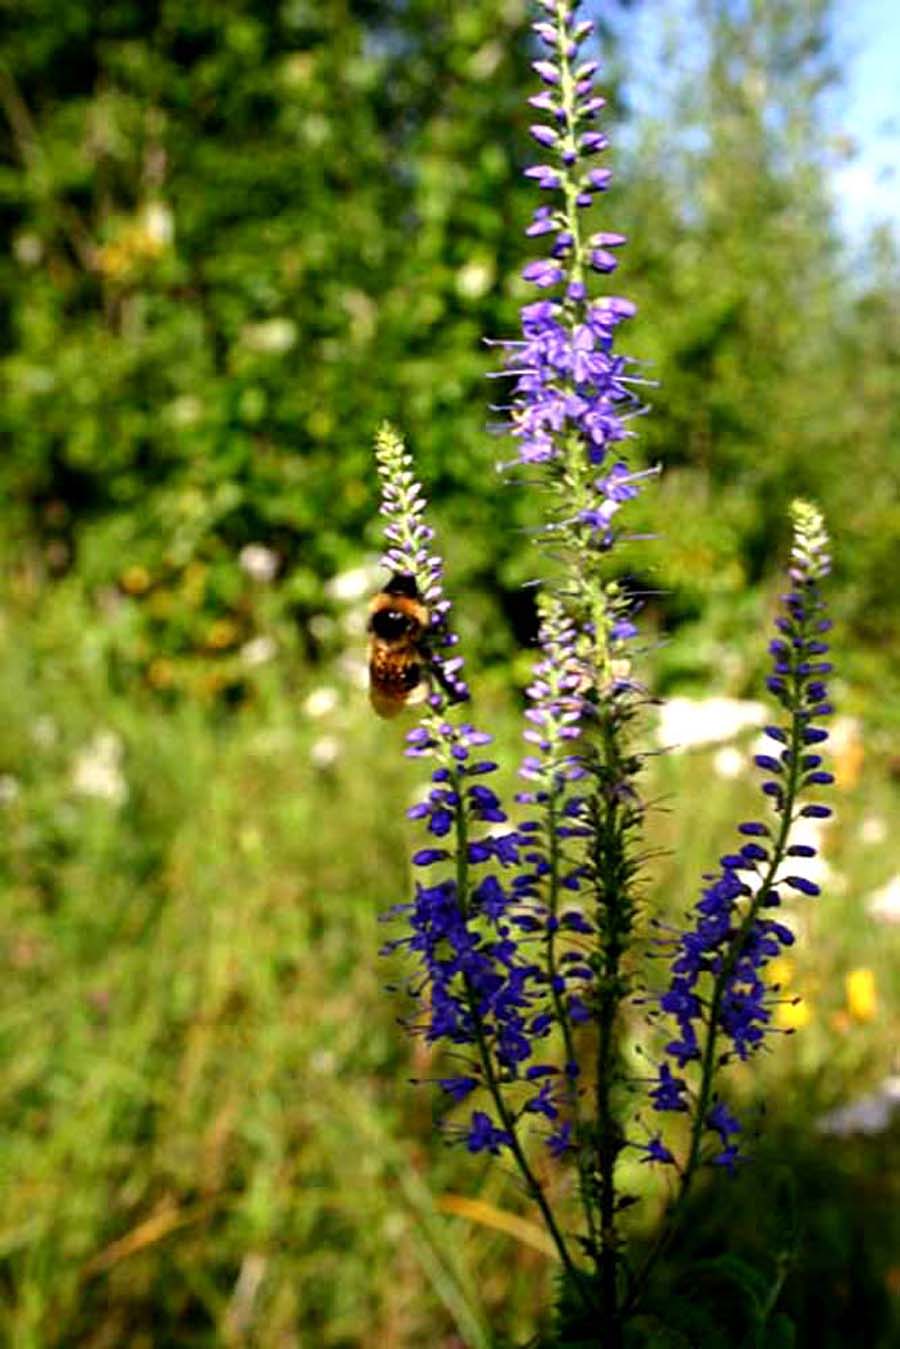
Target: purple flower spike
[[572, 397], [717, 990]]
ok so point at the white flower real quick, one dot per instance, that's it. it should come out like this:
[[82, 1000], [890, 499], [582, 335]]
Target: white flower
[[273, 336], [325, 751], [259, 562], [10, 789], [846, 734], [97, 769], [28, 249], [159, 224], [475, 279], [871, 1114], [685, 723], [185, 410], [258, 651], [354, 584], [884, 904], [729, 762], [321, 702], [44, 732], [873, 830]]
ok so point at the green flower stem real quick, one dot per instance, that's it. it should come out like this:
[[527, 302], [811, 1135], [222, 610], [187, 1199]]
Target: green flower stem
[[613, 872], [562, 1016]]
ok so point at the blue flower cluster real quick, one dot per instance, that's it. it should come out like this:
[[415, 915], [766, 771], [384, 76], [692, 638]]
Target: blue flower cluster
[[469, 931], [718, 994], [477, 986]]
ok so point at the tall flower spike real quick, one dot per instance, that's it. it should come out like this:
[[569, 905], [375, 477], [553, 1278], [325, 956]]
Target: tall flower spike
[[572, 396], [476, 989], [408, 552], [717, 993]]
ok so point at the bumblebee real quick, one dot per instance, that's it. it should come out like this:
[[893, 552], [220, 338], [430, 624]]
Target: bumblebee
[[399, 661]]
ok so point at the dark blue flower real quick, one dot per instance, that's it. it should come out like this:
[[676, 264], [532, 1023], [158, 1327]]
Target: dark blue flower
[[656, 1151], [716, 983], [458, 1087], [484, 1136]]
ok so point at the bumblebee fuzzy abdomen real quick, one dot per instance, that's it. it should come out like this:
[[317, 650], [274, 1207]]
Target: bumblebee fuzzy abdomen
[[394, 680]]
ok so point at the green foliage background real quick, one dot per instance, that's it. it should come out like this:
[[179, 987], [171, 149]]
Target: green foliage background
[[237, 234]]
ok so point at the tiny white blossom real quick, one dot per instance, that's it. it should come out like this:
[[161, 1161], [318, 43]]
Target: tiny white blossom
[[28, 249], [685, 723], [729, 762], [258, 651], [884, 904], [325, 751], [44, 732], [355, 584], [272, 337], [258, 562], [321, 702], [873, 830], [321, 627], [870, 1114], [475, 279], [97, 769], [159, 223]]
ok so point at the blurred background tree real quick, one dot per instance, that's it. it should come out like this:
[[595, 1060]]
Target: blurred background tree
[[240, 234]]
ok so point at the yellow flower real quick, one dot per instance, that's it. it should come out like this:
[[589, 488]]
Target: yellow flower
[[209, 684], [161, 673], [793, 1015], [780, 971], [193, 583], [161, 604], [861, 993], [222, 634], [135, 580]]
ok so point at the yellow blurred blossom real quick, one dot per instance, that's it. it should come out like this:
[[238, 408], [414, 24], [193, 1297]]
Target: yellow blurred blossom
[[142, 239], [209, 684], [222, 634], [135, 580], [861, 993], [161, 673], [793, 1015], [161, 604], [193, 583], [848, 753], [781, 971]]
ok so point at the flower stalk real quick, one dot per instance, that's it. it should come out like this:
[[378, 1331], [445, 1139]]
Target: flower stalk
[[528, 944]]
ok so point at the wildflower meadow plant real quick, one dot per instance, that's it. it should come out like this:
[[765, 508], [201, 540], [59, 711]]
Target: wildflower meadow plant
[[578, 1030]]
